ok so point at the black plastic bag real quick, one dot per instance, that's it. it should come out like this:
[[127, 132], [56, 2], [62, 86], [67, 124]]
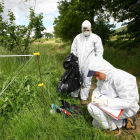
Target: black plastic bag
[[68, 63], [71, 80]]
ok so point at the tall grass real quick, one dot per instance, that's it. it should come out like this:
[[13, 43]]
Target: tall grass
[[35, 123], [124, 60], [28, 118]]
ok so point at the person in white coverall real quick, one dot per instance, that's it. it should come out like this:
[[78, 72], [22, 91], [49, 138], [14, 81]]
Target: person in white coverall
[[84, 46], [121, 89]]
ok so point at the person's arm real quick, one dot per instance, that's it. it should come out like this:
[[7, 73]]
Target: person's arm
[[74, 46], [99, 48], [97, 89], [126, 96]]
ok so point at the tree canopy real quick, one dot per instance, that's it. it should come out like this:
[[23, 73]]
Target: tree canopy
[[98, 12], [72, 14], [129, 13], [48, 35], [17, 38]]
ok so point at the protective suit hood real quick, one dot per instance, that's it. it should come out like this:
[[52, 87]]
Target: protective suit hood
[[101, 65], [86, 24]]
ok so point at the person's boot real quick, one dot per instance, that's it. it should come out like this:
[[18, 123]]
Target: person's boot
[[117, 132], [76, 98], [130, 123], [84, 102]]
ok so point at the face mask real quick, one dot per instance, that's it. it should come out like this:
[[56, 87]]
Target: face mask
[[86, 33]]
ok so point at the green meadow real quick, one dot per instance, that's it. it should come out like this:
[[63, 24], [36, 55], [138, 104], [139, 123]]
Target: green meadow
[[23, 116]]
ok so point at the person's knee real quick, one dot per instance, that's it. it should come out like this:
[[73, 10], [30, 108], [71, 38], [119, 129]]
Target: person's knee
[[92, 109], [86, 84], [89, 107]]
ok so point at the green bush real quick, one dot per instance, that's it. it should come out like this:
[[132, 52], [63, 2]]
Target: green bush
[[58, 41]]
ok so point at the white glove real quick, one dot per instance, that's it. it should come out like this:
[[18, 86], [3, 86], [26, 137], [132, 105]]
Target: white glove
[[95, 95], [100, 102]]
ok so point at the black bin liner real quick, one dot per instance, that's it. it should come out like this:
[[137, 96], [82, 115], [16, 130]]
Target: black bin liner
[[71, 80]]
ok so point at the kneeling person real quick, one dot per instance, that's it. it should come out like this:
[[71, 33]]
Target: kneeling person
[[121, 89]]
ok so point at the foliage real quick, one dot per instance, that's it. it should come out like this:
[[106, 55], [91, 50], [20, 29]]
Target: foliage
[[36, 24], [48, 35], [129, 13], [17, 38], [104, 29], [72, 14], [122, 59], [58, 41], [20, 92], [41, 40], [67, 25]]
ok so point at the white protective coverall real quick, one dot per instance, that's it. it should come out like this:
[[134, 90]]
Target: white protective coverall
[[84, 48], [121, 87]]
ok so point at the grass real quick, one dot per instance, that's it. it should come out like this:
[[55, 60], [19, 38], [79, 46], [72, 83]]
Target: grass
[[23, 115], [123, 60], [121, 29]]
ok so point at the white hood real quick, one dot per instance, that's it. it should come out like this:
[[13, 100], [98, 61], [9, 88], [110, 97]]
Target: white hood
[[101, 65], [86, 24]]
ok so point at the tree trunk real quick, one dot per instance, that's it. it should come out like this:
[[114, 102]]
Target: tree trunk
[[92, 18]]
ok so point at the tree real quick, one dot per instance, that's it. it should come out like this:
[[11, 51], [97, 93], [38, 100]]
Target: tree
[[128, 11], [104, 29], [48, 35], [17, 38], [36, 24], [72, 14]]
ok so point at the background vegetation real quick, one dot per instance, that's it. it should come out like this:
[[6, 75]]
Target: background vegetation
[[68, 24], [23, 115]]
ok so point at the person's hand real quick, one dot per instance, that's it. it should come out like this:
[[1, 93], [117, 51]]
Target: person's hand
[[95, 95], [100, 102]]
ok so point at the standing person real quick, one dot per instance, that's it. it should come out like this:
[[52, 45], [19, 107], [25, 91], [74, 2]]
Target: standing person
[[84, 46], [121, 91]]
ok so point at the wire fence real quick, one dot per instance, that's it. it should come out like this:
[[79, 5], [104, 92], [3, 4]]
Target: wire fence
[[19, 71]]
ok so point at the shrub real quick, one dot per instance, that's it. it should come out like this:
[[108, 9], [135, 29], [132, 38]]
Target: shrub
[[58, 41]]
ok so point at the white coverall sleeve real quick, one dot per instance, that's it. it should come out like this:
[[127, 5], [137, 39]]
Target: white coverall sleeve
[[126, 94], [97, 89], [99, 48], [74, 46]]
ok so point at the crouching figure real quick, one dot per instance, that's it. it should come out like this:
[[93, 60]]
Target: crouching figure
[[121, 91]]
